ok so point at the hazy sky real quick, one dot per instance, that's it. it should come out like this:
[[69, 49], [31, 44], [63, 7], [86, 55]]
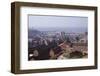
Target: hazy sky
[[58, 23]]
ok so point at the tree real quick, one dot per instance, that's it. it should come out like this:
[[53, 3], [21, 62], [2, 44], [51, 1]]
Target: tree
[[77, 38], [68, 40]]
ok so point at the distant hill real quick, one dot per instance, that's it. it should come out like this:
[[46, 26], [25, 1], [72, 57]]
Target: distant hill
[[32, 33]]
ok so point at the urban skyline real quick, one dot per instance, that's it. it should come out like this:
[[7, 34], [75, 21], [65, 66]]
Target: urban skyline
[[57, 37]]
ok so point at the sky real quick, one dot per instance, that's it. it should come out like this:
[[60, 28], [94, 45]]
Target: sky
[[58, 23]]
